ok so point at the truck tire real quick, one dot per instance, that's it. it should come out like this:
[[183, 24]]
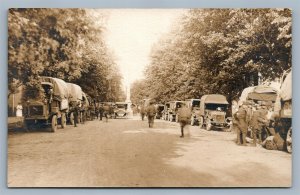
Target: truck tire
[[63, 120], [72, 118], [289, 141], [54, 123]]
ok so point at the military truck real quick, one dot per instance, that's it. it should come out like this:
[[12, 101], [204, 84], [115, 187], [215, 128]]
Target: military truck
[[173, 110], [283, 110], [160, 108], [120, 109], [50, 107], [212, 112], [194, 105], [75, 98]]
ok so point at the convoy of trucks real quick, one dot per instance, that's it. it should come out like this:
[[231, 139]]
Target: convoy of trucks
[[57, 102]]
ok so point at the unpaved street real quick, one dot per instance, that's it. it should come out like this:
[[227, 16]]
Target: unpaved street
[[126, 153]]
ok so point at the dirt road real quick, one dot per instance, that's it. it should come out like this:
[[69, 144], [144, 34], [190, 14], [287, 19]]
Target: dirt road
[[126, 153]]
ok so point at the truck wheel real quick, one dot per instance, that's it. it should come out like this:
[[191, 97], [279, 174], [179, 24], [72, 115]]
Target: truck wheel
[[201, 122], [54, 123], [63, 120], [72, 118], [208, 126], [289, 141]]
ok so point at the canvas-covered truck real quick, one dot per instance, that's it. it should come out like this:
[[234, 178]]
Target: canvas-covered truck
[[75, 98], [213, 109], [173, 110], [194, 105], [159, 111], [50, 107], [283, 110]]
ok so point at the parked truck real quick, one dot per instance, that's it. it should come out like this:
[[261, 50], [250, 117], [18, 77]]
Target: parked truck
[[213, 109], [50, 107], [173, 110], [194, 105]]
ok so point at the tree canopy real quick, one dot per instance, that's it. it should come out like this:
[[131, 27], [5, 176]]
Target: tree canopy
[[62, 43], [219, 51]]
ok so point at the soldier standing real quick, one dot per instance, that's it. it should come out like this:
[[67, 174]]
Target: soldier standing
[[97, 111], [241, 124], [151, 111], [75, 113], [255, 128], [184, 116], [101, 110], [263, 121]]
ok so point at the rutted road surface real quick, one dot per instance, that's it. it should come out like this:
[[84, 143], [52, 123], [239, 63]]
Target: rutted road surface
[[126, 153]]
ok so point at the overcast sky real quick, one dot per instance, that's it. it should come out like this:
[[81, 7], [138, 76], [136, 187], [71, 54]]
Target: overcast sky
[[131, 33]]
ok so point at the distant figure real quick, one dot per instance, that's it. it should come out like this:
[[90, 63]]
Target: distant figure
[[143, 112], [151, 111], [106, 109], [76, 112], [184, 116], [101, 111], [19, 110]]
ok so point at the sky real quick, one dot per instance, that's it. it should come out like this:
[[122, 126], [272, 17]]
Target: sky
[[130, 34]]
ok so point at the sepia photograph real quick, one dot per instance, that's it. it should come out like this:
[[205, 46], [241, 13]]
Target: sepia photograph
[[149, 98]]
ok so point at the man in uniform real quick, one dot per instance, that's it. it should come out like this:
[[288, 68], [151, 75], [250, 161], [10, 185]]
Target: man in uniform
[[106, 109], [184, 116], [151, 111], [241, 124], [258, 122], [263, 121], [101, 110], [76, 112]]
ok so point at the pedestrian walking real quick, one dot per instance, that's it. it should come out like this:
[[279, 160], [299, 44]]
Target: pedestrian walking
[[184, 116], [151, 111], [106, 109]]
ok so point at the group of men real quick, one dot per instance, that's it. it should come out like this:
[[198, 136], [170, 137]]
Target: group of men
[[184, 115], [256, 119], [103, 110]]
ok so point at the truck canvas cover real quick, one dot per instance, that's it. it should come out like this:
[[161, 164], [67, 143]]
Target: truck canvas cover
[[214, 99], [259, 93], [60, 88], [75, 92]]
